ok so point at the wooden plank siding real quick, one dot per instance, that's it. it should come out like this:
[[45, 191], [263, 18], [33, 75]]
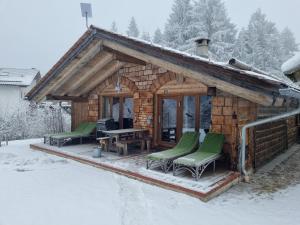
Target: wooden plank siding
[[79, 113], [270, 140], [273, 138]]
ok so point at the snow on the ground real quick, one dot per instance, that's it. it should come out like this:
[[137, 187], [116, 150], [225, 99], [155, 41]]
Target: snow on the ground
[[36, 188]]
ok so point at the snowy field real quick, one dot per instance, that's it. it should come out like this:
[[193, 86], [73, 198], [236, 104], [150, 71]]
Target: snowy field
[[36, 188]]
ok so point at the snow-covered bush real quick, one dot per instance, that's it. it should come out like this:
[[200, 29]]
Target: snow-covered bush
[[33, 121]]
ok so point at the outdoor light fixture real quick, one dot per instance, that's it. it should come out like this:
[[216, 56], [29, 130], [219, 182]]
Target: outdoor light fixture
[[86, 11]]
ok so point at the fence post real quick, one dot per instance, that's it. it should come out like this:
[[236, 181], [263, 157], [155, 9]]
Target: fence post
[[6, 139]]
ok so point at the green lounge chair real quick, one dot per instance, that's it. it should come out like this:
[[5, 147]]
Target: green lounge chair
[[82, 131], [186, 145], [47, 137], [208, 152]]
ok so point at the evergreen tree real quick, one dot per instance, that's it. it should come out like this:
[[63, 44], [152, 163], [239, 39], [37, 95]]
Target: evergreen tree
[[158, 37], [288, 44], [113, 27], [242, 48], [133, 30], [210, 20], [146, 36], [262, 47], [177, 30]]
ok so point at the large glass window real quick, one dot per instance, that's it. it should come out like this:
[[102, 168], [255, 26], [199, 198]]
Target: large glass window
[[128, 113], [106, 107], [189, 113], [116, 110], [120, 109], [205, 116], [183, 113], [169, 120]]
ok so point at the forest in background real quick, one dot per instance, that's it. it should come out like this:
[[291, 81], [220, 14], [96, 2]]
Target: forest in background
[[260, 44]]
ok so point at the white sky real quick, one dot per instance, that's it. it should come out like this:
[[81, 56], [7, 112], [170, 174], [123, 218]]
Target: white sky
[[36, 33]]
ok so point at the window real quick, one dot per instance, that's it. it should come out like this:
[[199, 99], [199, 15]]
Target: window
[[205, 116], [189, 113], [182, 113], [128, 113], [106, 107], [120, 109], [116, 109]]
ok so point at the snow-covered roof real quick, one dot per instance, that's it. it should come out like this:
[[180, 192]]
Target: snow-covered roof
[[17, 77], [292, 65], [259, 74], [243, 76]]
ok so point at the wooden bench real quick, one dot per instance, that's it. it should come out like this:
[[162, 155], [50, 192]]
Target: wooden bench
[[104, 142], [123, 145]]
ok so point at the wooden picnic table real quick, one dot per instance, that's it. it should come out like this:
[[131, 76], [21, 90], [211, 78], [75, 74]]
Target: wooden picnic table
[[125, 136]]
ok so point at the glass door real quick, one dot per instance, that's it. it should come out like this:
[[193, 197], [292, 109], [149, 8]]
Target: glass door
[[188, 113], [168, 120], [182, 113]]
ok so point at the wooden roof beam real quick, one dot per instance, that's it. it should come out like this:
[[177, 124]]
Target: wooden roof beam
[[86, 73], [124, 58], [66, 98], [81, 60], [99, 77]]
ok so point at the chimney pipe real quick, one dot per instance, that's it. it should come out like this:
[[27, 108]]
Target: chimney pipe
[[202, 47]]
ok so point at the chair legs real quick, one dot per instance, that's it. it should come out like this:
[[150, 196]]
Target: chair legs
[[195, 171], [165, 165]]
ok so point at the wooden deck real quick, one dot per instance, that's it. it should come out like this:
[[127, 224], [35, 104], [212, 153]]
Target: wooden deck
[[133, 166]]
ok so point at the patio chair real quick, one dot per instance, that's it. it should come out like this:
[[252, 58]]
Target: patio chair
[[84, 130], [47, 137], [208, 152], [186, 145]]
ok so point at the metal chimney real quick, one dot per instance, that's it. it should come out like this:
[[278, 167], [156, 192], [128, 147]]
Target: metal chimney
[[202, 45]]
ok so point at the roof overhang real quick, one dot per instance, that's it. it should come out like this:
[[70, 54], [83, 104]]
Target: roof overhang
[[99, 54]]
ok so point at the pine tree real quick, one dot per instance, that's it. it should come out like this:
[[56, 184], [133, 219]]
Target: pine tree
[[210, 20], [133, 30], [288, 44], [146, 36], [113, 27], [262, 48], [158, 37], [242, 48], [177, 30]]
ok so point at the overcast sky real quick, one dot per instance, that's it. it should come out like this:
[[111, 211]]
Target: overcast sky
[[36, 33]]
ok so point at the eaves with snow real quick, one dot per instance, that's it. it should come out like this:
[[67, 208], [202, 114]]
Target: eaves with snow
[[18, 77], [292, 65]]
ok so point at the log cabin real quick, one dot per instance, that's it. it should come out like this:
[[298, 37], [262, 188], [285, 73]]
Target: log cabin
[[144, 85]]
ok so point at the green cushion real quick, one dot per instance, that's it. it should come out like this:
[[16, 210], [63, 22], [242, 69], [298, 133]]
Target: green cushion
[[213, 143], [67, 135], [211, 147], [187, 143], [89, 128], [84, 129], [81, 127], [195, 158]]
